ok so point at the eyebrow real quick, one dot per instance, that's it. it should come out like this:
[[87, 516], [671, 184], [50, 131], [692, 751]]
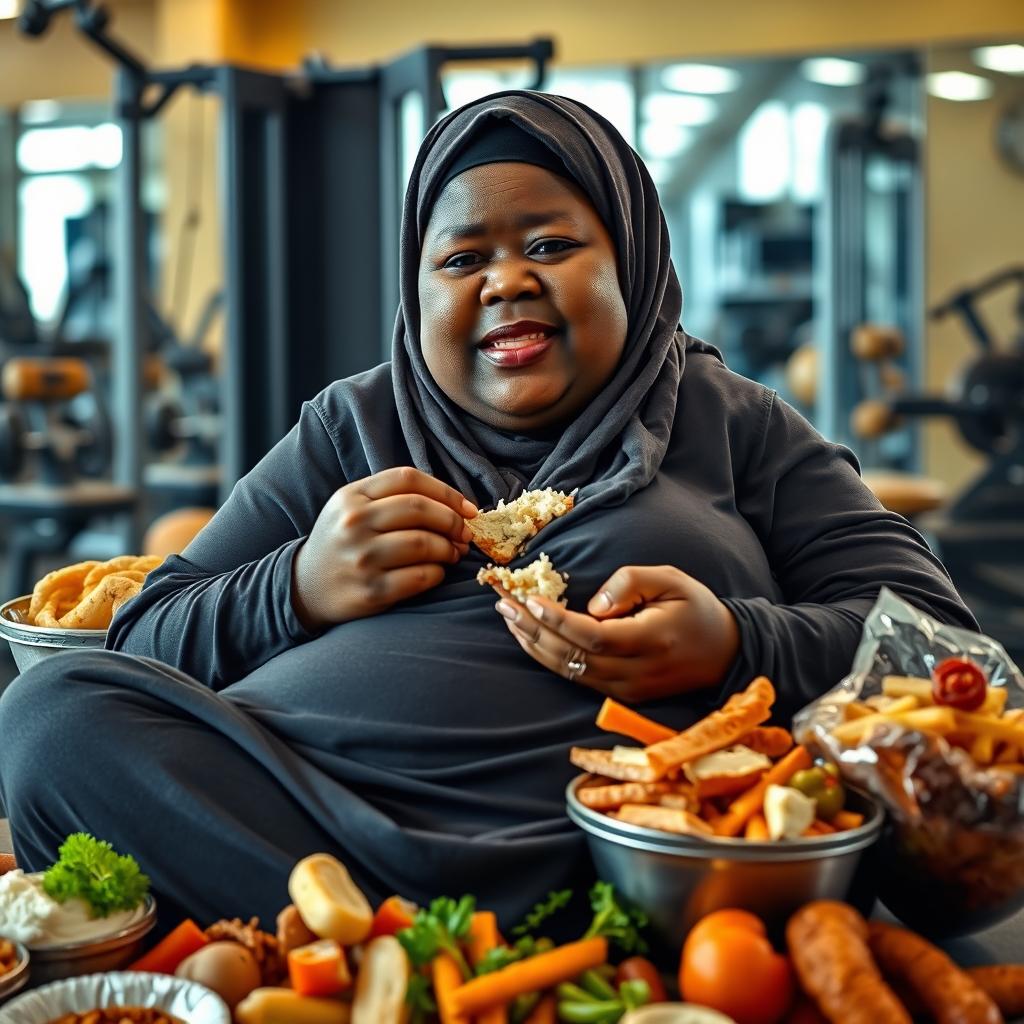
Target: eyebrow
[[524, 220]]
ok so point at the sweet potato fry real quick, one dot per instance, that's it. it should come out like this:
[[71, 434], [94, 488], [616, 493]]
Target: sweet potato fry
[[770, 740], [722, 728], [601, 798]]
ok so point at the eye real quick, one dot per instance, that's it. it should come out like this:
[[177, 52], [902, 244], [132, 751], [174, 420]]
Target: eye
[[551, 247], [461, 261]]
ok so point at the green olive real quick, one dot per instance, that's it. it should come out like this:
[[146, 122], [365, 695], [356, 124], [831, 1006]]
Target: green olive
[[809, 781], [830, 801]]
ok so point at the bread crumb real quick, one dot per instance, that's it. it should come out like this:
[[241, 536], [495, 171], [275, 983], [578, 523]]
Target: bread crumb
[[538, 579]]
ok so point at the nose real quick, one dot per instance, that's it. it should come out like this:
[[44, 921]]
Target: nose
[[508, 280]]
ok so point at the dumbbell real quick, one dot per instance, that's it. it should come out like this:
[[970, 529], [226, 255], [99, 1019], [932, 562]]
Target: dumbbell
[[874, 345], [77, 434]]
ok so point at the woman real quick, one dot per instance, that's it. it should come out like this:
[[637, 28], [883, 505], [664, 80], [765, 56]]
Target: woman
[[320, 670]]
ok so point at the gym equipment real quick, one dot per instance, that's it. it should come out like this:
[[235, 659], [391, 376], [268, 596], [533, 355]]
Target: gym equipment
[[310, 161], [53, 425], [71, 434], [871, 245], [981, 534]]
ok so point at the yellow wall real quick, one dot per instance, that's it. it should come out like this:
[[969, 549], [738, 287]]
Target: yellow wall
[[975, 223], [591, 31]]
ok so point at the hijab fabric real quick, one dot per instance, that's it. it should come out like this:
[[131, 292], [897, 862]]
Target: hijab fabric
[[616, 443]]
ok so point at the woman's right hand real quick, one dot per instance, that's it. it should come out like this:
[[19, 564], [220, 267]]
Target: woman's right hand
[[378, 541]]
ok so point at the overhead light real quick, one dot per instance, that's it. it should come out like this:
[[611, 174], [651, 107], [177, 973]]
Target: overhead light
[[764, 153], [1009, 58], [38, 111], [8, 9], [958, 85], [677, 109], [707, 79], [69, 148], [661, 139], [833, 71]]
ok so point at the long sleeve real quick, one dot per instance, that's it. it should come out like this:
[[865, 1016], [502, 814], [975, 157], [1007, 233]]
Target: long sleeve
[[224, 606], [831, 547]]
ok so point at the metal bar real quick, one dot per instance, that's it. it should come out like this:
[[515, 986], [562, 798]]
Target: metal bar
[[130, 291]]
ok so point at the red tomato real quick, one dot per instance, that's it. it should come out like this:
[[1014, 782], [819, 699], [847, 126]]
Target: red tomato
[[959, 683], [638, 968], [729, 965]]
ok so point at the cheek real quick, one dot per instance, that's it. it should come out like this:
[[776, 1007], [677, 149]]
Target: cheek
[[444, 327], [599, 313]]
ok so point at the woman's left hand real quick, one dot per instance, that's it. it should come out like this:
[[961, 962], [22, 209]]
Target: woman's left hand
[[652, 631]]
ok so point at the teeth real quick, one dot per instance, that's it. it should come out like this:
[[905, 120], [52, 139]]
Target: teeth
[[525, 339]]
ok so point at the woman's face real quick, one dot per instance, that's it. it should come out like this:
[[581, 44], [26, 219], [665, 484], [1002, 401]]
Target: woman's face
[[522, 321]]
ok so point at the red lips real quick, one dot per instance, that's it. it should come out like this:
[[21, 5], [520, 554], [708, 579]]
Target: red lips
[[517, 344]]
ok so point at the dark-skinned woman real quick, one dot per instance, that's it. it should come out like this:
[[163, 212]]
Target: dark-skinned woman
[[320, 669]]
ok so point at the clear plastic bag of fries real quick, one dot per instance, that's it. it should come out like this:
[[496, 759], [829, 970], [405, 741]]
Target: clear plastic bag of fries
[[930, 721]]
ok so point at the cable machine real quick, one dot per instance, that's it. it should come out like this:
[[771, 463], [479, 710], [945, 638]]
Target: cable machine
[[311, 174]]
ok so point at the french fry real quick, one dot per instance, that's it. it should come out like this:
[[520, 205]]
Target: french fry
[[856, 709], [770, 740], [908, 686], [996, 728], [934, 719], [995, 701], [1008, 754], [982, 749], [678, 801]]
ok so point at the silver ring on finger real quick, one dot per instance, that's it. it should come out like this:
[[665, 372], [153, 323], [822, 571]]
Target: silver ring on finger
[[576, 663]]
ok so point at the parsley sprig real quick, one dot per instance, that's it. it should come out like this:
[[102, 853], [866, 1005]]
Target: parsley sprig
[[91, 870], [615, 922], [438, 929], [542, 911]]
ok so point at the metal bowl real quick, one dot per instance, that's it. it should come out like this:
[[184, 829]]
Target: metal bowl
[[17, 977], [106, 953], [30, 644], [676, 880], [185, 1000]]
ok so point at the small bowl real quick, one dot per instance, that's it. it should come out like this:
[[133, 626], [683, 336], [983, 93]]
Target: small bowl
[[185, 1000], [107, 953], [677, 879], [17, 977], [30, 644]]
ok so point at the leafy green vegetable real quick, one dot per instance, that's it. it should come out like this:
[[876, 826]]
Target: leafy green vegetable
[[89, 869], [419, 997], [438, 928], [614, 922], [542, 911], [501, 956]]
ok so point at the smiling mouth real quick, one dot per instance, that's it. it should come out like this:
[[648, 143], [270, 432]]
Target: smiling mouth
[[522, 350]]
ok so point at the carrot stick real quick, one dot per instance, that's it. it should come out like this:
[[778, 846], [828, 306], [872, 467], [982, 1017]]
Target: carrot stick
[[818, 828], [447, 979], [165, 956], [616, 717], [757, 828], [545, 1012], [483, 937], [847, 819], [733, 821], [319, 969], [538, 972]]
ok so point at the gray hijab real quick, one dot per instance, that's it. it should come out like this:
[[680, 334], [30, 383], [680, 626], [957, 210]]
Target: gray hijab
[[615, 445]]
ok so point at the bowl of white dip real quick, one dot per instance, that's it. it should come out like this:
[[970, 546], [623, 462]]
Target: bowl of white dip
[[65, 939]]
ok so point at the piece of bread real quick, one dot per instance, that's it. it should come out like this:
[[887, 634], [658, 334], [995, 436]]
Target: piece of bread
[[538, 579], [504, 531]]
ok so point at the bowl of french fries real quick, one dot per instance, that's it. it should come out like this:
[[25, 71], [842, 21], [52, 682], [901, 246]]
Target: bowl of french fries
[[730, 812], [931, 723], [72, 607]]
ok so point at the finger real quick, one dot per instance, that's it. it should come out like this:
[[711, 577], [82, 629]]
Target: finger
[[388, 588], [634, 585], [622, 637], [415, 511], [600, 672], [408, 548], [407, 480]]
